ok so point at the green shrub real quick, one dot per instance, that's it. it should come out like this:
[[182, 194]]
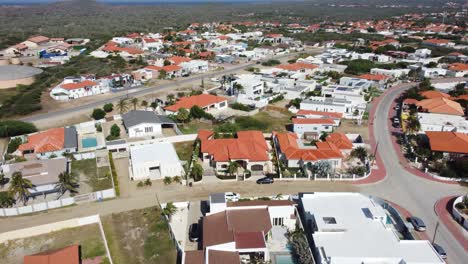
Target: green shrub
[[114, 175], [115, 131], [11, 128], [140, 184], [14, 144], [98, 114], [167, 180], [239, 106], [108, 107]]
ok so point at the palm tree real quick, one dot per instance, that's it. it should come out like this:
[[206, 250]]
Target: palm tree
[[134, 102], [122, 105], [412, 124], [144, 103], [19, 187], [67, 182], [232, 167], [360, 153], [169, 210]]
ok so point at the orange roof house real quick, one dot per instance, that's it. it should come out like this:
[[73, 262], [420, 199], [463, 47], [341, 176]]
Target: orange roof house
[[298, 66], [74, 86], [289, 147], [458, 67], [68, 255], [441, 106], [374, 77], [38, 39], [332, 115], [312, 121], [248, 145], [171, 68], [447, 141], [46, 141], [202, 100], [178, 59], [434, 94], [340, 140]]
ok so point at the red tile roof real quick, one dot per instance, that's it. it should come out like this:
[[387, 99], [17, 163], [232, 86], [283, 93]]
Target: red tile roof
[[224, 257], [446, 141], [202, 100], [245, 240], [312, 121], [297, 66], [249, 145], [38, 39], [194, 257], [68, 255], [153, 68], [46, 141], [171, 68], [340, 140], [441, 106], [274, 35], [373, 77], [434, 94], [74, 86], [320, 113], [288, 145], [458, 67], [178, 59], [437, 41]]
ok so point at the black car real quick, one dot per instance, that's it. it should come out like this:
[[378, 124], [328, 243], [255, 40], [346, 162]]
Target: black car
[[265, 180], [417, 223], [194, 232], [440, 250]]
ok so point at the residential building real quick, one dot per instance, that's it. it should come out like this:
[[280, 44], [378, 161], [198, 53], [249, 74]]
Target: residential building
[[442, 122], [339, 105], [298, 67], [194, 66], [207, 102], [378, 80], [451, 144], [154, 161], [49, 143], [294, 154], [336, 117], [43, 174], [172, 71], [423, 53], [249, 149], [458, 70], [146, 124], [433, 72], [353, 228], [77, 87], [440, 106], [302, 126], [239, 231], [34, 42], [395, 73], [69, 255], [438, 43]]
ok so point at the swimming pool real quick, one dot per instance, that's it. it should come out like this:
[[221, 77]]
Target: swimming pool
[[284, 259], [89, 142]]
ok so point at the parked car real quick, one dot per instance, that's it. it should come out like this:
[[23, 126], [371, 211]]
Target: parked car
[[397, 107], [396, 121], [440, 250], [231, 196], [265, 180], [417, 223], [194, 232]]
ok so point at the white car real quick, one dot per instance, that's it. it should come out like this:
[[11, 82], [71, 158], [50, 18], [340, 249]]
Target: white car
[[231, 197]]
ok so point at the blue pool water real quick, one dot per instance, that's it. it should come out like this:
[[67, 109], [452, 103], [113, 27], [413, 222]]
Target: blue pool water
[[89, 142], [284, 259]]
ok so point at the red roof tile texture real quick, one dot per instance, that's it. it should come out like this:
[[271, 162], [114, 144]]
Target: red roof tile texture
[[246, 240], [312, 121], [319, 113], [68, 255], [446, 141], [202, 100], [46, 141], [441, 106], [74, 86]]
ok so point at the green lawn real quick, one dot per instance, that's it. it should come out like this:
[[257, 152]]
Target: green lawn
[[184, 150], [88, 237], [139, 236], [97, 178], [193, 127]]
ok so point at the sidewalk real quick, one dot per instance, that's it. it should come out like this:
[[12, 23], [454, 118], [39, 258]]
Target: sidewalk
[[443, 209]]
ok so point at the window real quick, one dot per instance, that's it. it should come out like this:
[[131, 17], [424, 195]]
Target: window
[[278, 221], [148, 129], [329, 220]]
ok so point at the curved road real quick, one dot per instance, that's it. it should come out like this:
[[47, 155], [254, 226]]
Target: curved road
[[417, 194]]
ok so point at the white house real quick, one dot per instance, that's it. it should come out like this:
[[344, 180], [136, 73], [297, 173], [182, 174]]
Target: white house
[[77, 87], [302, 126], [354, 228], [154, 161], [145, 123], [395, 73], [442, 122], [194, 66], [339, 105], [433, 72]]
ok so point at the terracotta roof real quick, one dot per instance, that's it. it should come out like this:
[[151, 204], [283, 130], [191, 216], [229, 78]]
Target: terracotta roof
[[289, 147], [171, 68], [219, 228], [69, 255], [178, 59], [437, 41], [297, 66], [249, 145], [462, 97], [201, 100], [194, 257], [340, 140], [274, 35], [447, 141], [373, 77], [38, 39], [410, 101], [150, 40], [21, 46], [441, 106], [223, 37], [153, 68], [73, 86], [434, 94], [320, 113], [46, 141], [246, 240], [313, 121], [132, 50], [224, 257], [268, 203], [458, 67]]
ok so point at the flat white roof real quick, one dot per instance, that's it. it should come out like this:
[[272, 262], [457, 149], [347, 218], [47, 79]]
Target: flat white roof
[[352, 229], [160, 151], [443, 120]]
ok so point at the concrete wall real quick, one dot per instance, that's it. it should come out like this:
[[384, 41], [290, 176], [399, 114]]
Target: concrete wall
[[458, 217]]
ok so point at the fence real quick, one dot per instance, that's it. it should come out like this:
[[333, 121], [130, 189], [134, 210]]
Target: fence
[[457, 215], [85, 155], [39, 207]]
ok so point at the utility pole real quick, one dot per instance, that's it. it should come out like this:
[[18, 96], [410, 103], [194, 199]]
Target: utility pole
[[435, 232], [375, 152]]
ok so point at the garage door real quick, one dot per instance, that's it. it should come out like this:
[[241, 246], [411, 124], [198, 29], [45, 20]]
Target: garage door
[[257, 167]]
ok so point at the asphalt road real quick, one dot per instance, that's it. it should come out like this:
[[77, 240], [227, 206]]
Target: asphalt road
[[414, 193]]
